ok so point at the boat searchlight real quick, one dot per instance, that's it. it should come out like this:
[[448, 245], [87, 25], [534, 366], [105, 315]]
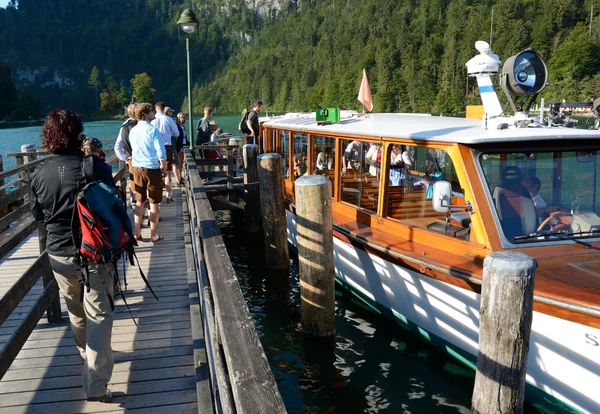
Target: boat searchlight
[[523, 75]]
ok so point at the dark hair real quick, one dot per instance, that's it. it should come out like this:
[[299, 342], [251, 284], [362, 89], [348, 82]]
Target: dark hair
[[258, 103], [62, 131], [536, 181], [161, 105], [141, 110]]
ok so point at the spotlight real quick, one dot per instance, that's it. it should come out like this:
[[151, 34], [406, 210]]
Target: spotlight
[[524, 74]]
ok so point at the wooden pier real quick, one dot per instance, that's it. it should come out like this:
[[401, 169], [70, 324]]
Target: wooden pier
[[194, 350]]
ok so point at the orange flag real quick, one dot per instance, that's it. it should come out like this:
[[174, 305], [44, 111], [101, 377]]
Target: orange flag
[[364, 94]]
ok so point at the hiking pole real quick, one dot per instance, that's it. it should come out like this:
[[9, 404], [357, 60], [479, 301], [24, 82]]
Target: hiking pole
[[124, 273]]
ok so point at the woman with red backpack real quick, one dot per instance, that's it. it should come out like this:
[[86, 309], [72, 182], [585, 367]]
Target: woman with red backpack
[[55, 184]]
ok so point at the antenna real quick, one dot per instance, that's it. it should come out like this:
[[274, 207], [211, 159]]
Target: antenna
[[591, 18], [492, 28]]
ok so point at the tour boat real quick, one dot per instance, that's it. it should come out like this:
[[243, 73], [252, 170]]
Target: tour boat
[[514, 183]]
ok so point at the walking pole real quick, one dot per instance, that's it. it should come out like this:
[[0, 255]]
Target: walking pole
[[124, 273]]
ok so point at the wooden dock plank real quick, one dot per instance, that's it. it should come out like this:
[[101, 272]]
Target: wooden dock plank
[[154, 361], [159, 402]]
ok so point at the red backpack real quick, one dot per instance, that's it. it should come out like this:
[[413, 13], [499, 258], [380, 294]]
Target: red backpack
[[102, 231]]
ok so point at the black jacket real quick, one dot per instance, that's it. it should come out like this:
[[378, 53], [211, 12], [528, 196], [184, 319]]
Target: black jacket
[[54, 186], [182, 134]]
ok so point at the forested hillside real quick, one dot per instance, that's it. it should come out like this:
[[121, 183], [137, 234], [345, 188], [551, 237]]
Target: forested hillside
[[295, 54]]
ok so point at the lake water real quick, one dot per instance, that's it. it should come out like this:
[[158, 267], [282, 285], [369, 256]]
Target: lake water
[[11, 139], [372, 366]]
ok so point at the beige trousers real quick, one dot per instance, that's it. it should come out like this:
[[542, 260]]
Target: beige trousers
[[91, 320]]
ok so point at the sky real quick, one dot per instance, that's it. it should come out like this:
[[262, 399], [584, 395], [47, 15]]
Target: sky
[[3, 3]]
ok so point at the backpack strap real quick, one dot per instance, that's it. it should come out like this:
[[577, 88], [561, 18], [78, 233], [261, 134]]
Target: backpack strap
[[144, 276]]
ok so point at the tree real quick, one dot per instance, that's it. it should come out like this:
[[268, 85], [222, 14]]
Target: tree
[[26, 108], [123, 97], [8, 93], [94, 82], [142, 88], [106, 103]]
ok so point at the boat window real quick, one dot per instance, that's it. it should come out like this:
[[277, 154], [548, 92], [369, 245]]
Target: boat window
[[284, 151], [544, 195], [359, 182], [300, 158], [411, 175], [323, 156]]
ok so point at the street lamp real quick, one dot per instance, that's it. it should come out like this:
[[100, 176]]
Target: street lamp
[[188, 23]]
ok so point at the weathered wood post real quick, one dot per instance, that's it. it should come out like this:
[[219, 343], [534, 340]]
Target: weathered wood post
[[270, 175], [314, 228], [251, 189], [506, 312], [26, 174]]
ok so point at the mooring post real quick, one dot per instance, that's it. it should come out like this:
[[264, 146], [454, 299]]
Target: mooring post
[[314, 228], [506, 312], [26, 174], [270, 175], [251, 189]]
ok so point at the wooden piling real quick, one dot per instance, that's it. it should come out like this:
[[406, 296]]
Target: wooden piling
[[506, 312], [251, 189], [270, 173], [27, 173], [315, 254]]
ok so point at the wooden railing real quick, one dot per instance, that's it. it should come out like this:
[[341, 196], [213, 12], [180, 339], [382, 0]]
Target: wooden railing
[[241, 378], [21, 224]]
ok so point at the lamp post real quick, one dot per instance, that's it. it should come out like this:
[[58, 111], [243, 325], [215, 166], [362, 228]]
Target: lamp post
[[188, 23]]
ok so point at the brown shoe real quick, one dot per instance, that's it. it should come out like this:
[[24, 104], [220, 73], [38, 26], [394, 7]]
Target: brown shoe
[[106, 398], [170, 200]]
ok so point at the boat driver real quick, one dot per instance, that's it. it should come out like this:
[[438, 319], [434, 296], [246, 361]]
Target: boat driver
[[533, 185]]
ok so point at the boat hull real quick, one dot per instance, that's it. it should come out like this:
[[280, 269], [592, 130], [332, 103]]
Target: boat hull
[[564, 356]]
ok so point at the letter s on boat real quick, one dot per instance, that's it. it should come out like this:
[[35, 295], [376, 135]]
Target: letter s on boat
[[592, 340]]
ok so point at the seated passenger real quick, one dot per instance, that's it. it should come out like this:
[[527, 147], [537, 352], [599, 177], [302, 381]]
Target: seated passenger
[[533, 185], [325, 160], [299, 166]]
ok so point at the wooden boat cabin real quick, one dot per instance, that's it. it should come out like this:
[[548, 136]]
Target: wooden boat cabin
[[533, 190]]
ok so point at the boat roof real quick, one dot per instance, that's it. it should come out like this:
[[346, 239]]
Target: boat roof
[[426, 127]]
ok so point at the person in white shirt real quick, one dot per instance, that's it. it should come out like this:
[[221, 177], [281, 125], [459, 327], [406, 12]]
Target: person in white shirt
[[533, 185], [123, 147], [325, 160], [168, 129], [148, 160], [371, 159]]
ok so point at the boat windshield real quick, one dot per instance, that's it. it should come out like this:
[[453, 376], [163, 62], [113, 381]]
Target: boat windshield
[[544, 195]]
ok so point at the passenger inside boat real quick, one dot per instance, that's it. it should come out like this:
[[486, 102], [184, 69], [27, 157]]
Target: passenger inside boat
[[543, 196], [324, 164]]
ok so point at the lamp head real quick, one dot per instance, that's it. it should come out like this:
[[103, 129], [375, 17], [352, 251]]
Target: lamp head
[[525, 74], [188, 21]]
